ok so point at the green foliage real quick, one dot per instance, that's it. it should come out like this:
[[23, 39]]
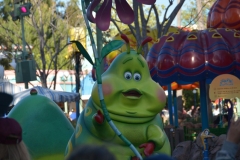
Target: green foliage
[[189, 12], [73, 14], [46, 30], [5, 62], [188, 97]]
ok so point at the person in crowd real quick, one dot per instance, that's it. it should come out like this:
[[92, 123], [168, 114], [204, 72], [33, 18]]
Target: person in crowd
[[91, 152], [184, 111], [216, 110], [225, 121], [5, 101], [72, 115], [225, 108], [230, 145], [159, 157], [189, 112], [165, 115], [11, 145]]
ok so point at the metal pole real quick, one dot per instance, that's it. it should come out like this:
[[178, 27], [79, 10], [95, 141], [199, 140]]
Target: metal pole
[[23, 38], [100, 45], [170, 104], [195, 103], [204, 106], [175, 108], [24, 45], [77, 60]]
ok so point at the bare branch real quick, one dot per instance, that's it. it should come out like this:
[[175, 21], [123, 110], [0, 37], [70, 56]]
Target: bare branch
[[159, 27], [172, 16], [149, 13], [115, 24]]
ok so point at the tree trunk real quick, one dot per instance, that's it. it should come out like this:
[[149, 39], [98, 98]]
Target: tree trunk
[[55, 74], [179, 17], [200, 20], [77, 75]]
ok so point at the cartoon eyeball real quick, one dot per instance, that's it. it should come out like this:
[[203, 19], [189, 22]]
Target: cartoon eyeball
[[137, 76], [128, 75]]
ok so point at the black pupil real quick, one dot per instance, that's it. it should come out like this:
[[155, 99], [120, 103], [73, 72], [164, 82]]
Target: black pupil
[[128, 76], [137, 77]]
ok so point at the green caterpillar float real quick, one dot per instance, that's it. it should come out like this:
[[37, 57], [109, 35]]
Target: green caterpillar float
[[133, 101]]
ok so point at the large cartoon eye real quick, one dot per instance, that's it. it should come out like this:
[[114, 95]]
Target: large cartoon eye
[[137, 76], [128, 75]]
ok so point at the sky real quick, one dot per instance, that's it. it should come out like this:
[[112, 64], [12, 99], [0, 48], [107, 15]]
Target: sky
[[166, 3]]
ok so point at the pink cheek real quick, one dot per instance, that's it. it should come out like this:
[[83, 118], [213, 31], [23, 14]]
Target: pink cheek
[[107, 89], [161, 95]]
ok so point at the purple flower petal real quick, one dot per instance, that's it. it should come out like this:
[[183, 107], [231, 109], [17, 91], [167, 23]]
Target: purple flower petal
[[103, 15], [90, 9], [149, 2], [124, 11]]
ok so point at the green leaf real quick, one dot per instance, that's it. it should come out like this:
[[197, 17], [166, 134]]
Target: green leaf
[[83, 51], [111, 46]]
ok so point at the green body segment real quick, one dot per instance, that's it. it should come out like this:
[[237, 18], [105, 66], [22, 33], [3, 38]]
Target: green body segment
[[87, 133], [46, 130], [133, 101]]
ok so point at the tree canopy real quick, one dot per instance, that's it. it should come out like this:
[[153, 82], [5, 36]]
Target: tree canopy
[[46, 29]]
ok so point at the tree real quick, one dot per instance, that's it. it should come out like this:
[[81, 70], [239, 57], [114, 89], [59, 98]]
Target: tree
[[146, 16], [46, 30], [188, 97], [196, 13]]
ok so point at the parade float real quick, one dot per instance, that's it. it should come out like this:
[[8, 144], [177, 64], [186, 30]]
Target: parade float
[[46, 129], [133, 101], [182, 57], [123, 111]]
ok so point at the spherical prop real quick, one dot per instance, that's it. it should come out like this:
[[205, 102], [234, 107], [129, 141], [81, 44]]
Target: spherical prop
[[33, 92]]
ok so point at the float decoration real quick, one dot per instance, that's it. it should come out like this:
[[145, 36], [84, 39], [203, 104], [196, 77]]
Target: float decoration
[[98, 116], [188, 57], [103, 15], [127, 88], [224, 14], [176, 86], [196, 56], [99, 81], [46, 129]]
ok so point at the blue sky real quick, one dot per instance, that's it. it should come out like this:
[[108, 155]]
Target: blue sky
[[166, 3]]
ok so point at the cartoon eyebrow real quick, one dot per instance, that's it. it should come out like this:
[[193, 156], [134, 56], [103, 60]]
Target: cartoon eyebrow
[[141, 62], [127, 59]]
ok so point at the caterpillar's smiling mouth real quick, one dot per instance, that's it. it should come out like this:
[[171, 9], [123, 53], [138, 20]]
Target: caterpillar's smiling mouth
[[132, 94]]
